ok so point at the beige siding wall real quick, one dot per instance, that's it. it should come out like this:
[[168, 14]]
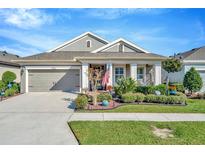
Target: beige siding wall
[[16, 70], [81, 45], [114, 48]]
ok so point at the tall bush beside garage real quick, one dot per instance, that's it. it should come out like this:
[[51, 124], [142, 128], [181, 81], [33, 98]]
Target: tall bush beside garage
[[8, 77], [192, 80]]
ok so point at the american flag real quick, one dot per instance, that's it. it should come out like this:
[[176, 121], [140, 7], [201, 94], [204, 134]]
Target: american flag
[[105, 80]]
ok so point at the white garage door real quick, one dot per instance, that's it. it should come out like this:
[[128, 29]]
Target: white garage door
[[47, 80], [202, 74]]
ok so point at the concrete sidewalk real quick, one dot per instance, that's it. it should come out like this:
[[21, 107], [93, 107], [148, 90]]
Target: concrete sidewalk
[[137, 116]]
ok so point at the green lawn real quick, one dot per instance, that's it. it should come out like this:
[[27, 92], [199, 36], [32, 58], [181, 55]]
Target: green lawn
[[194, 106], [130, 132]]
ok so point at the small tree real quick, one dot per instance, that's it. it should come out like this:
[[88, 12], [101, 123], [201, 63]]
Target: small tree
[[94, 75], [8, 76], [171, 65], [192, 80]]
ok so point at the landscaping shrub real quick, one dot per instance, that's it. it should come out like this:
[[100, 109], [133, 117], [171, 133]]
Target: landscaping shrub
[[161, 88], [180, 87], [81, 101], [128, 97], [192, 80], [181, 94], [2, 85], [151, 89], [141, 89], [139, 97], [16, 87], [165, 99], [9, 92], [8, 77], [125, 85], [161, 99], [104, 96], [150, 98]]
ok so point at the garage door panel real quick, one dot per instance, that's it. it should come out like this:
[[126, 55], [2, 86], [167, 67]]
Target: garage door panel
[[46, 80]]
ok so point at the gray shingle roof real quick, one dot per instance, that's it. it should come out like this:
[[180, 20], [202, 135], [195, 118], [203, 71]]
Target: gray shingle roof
[[194, 54], [71, 55], [6, 58]]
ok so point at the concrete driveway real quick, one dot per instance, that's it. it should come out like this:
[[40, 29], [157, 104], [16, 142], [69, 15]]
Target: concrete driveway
[[37, 118]]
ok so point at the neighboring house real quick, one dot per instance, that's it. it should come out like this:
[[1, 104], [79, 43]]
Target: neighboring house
[[193, 58], [6, 64], [66, 67]]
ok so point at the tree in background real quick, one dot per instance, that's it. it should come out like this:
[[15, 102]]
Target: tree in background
[[192, 80], [8, 77], [171, 66]]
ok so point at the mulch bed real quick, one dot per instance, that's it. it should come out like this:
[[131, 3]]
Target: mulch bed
[[5, 98], [112, 105], [115, 104]]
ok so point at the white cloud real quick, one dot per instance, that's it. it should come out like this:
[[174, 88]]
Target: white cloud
[[117, 13], [42, 42], [25, 18]]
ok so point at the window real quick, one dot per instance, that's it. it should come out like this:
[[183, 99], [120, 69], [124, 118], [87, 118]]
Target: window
[[140, 73], [119, 73], [88, 43]]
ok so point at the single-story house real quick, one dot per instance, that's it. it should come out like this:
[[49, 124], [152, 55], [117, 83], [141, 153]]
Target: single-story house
[[66, 67], [193, 58], [6, 64]]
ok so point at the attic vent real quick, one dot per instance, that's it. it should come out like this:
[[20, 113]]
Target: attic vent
[[88, 43], [121, 48]]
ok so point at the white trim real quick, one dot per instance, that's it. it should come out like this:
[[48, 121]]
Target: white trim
[[85, 82], [144, 73], [123, 48], [117, 66], [194, 61], [157, 74], [133, 71], [26, 80], [77, 38], [117, 41], [51, 67]]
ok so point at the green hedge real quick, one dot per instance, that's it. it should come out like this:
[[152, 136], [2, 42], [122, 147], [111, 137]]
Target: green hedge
[[151, 89], [181, 99], [104, 96], [81, 101], [133, 97], [128, 98]]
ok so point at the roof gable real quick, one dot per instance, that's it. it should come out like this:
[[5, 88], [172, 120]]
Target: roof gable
[[79, 43], [194, 54], [199, 54], [120, 45]]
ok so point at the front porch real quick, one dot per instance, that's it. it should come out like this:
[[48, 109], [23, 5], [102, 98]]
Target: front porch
[[146, 73]]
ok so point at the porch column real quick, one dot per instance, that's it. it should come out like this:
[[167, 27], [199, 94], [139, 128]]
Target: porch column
[[84, 76], [133, 71], [157, 74], [109, 67]]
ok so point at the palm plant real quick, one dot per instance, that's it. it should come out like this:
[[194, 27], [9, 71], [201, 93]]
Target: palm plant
[[125, 85]]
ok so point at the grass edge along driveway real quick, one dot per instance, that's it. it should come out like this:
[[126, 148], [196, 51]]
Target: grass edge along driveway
[[139, 133], [193, 106]]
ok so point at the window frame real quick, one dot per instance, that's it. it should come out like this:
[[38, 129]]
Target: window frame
[[144, 73], [124, 71]]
